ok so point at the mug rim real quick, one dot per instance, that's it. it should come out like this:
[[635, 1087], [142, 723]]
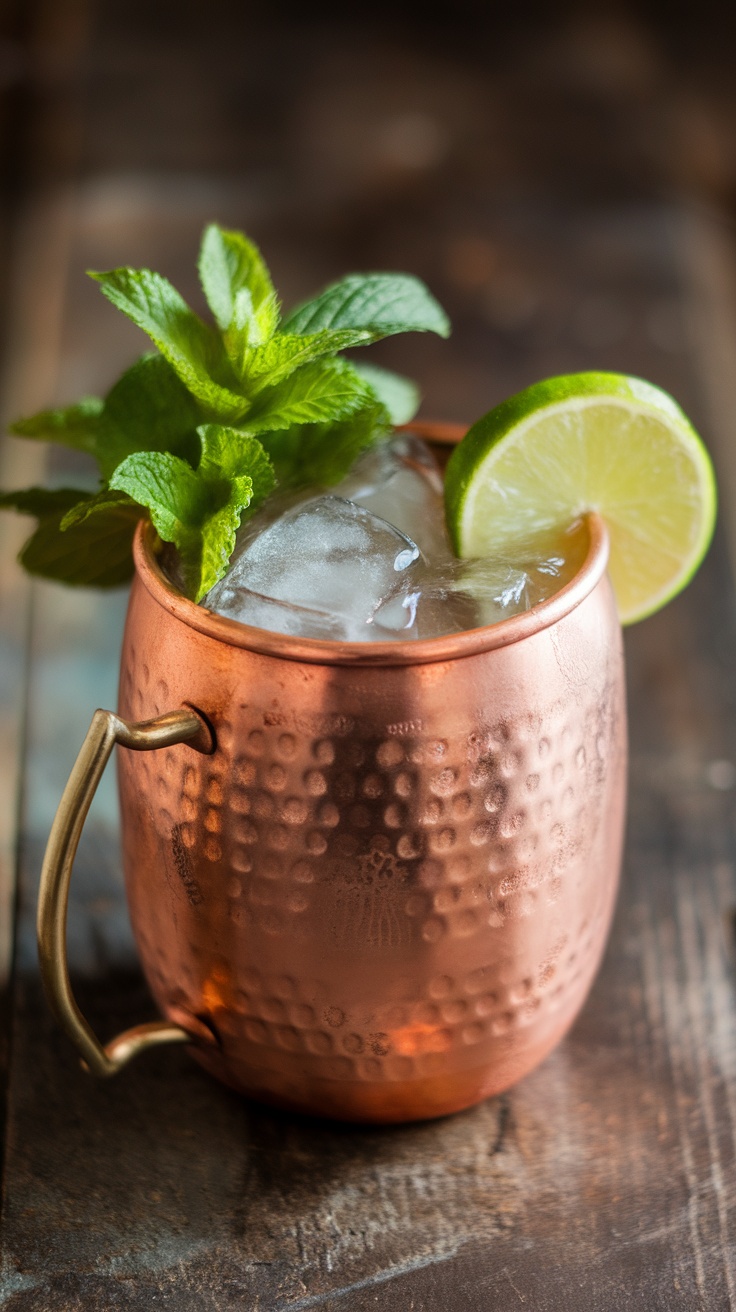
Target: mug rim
[[423, 651]]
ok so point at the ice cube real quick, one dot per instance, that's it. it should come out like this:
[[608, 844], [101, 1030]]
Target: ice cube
[[321, 569], [455, 595], [450, 596], [400, 481], [279, 616], [396, 616], [505, 587], [348, 566]]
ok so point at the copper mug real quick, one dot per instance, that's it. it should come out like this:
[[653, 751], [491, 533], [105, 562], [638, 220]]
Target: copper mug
[[367, 881]]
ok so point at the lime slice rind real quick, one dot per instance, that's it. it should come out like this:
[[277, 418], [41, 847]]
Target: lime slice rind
[[583, 442]]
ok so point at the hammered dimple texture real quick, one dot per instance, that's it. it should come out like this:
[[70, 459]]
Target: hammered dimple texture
[[381, 877]]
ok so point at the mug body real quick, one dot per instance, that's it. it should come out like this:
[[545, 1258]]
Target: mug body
[[386, 894]]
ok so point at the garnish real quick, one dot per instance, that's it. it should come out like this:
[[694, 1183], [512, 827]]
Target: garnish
[[599, 442], [199, 432]]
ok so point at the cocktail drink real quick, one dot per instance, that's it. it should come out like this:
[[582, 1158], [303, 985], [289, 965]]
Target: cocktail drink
[[385, 894], [374, 790]]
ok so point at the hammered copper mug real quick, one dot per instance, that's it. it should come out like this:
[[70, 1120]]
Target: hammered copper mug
[[367, 881]]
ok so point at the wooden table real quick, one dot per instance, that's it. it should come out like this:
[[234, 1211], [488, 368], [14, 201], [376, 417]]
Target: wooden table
[[606, 1180]]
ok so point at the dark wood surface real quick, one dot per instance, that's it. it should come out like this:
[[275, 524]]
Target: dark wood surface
[[544, 210]]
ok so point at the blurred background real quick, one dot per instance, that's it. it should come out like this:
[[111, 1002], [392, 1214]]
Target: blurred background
[[535, 164]]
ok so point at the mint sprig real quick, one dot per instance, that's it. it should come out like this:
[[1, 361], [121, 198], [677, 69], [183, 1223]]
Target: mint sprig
[[199, 511], [148, 409], [195, 433], [194, 349]]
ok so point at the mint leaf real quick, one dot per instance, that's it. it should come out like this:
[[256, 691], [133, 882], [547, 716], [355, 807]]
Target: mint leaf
[[199, 512], [98, 556], [75, 426], [94, 553], [239, 475], [399, 395], [191, 347], [239, 291], [327, 389], [175, 497], [320, 455], [105, 502], [148, 409], [42, 500], [276, 360], [217, 544], [379, 303], [228, 453]]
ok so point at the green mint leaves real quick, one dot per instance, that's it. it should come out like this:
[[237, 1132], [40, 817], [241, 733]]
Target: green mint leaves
[[196, 433], [399, 396], [74, 426], [147, 409], [239, 292], [193, 349], [319, 455], [199, 511], [96, 552], [323, 390], [378, 304]]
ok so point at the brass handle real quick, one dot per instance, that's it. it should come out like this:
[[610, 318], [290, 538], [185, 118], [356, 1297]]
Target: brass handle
[[106, 729]]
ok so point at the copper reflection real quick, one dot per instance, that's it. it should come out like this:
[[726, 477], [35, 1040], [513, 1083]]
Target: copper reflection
[[388, 891]]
